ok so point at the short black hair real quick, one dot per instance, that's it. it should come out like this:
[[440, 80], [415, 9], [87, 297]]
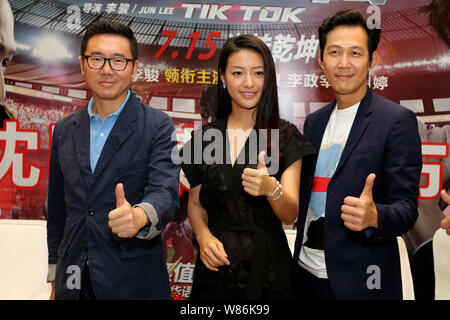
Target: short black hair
[[349, 17], [110, 27]]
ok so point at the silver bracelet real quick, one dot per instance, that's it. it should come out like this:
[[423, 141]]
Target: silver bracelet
[[276, 188], [281, 193]]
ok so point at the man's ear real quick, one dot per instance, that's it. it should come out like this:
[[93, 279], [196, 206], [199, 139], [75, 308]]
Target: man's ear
[[135, 67], [374, 61], [319, 59], [81, 65]]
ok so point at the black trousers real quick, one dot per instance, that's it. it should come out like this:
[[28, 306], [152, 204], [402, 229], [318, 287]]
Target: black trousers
[[86, 292], [310, 287]]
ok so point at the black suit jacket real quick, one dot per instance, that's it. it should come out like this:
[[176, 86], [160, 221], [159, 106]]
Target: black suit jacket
[[137, 153], [384, 140]]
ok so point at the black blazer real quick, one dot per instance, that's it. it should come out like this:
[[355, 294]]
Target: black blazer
[[137, 153], [384, 140]]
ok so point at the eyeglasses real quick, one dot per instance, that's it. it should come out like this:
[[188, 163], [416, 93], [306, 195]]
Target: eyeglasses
[[116, 63]]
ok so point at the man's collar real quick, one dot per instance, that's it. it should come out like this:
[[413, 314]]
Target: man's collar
[[115, 114]]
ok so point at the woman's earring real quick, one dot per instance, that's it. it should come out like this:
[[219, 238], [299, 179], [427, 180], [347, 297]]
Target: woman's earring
[[224, 85]]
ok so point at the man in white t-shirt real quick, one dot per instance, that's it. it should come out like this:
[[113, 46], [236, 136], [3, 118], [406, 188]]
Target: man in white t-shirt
[[362, 191]]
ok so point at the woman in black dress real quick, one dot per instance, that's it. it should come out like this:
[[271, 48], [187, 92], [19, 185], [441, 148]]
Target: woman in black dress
[[238, 200]]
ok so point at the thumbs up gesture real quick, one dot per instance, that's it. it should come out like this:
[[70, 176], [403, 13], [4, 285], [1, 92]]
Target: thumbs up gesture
[[257, 182], [262, 163], [126, 221], [361, 213]]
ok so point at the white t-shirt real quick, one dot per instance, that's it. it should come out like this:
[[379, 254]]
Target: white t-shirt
[[312, 255]]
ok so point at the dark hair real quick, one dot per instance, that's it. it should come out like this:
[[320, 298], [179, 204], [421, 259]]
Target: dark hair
[[110, 27], [439, 11], [208, 102], [349, 17], [267, 113]]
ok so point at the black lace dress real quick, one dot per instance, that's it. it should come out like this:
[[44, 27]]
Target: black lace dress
[[252, 235]]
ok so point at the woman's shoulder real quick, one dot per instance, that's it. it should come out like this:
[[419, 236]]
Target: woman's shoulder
[[293, 144], [287, 128], [291, 136]]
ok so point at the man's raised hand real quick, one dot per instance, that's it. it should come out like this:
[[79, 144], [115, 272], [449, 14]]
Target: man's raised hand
[[126, 221]]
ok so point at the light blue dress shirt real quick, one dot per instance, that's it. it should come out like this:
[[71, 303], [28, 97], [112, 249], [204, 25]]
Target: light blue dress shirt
[[100, 129]]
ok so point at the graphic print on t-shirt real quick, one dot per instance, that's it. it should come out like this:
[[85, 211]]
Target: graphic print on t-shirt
[[326, 165], [312, 256]]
